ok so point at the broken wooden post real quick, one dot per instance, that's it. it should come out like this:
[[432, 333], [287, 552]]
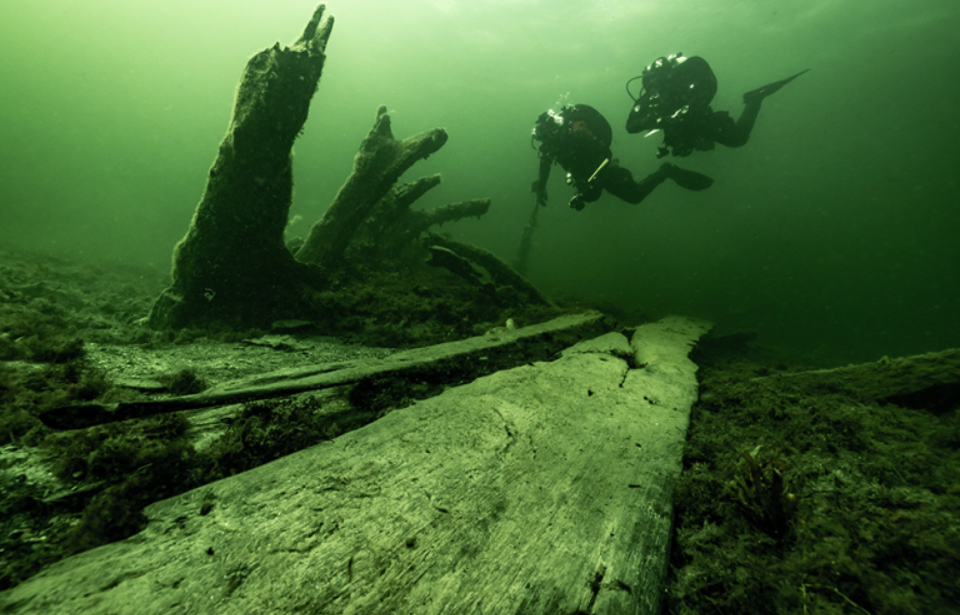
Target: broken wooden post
[[501, 274], [232, 267], [377, 167], [391, 232], [371, 212]]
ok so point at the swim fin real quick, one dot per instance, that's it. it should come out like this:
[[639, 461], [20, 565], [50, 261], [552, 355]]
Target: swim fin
[[760, 93], [691, 180]]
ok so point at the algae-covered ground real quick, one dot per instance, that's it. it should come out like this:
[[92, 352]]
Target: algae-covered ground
[[794, 499], [812, 499]]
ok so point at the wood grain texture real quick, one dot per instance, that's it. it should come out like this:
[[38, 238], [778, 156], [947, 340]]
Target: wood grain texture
[[541, 489]]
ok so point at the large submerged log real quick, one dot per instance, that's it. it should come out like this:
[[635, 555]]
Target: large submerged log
[[543, 489]]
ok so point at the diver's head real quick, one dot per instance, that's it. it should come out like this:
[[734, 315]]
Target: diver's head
[[657, 74], [672, 85], [680, 80], [550, 125]]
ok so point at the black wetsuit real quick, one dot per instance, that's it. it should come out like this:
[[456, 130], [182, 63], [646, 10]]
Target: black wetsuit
[[581, 145], [699, 128]]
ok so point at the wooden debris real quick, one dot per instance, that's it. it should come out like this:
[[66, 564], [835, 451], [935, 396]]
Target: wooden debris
[[452, 362]]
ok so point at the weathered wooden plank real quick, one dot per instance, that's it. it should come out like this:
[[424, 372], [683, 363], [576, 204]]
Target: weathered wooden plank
[[883, 379], [540, 489], [474, 356]]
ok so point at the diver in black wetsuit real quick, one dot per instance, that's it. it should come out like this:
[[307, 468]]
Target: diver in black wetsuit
[[676, 99], [578, 137]]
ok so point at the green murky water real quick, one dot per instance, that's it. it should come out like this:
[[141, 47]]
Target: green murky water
[[833, 231]]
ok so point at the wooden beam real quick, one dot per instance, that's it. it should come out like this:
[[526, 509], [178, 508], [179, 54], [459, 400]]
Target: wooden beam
[[542, 489], [448, 363]]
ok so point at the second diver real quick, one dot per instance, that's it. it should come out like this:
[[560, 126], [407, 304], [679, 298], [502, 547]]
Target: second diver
[[578, 137], [676, 97]]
